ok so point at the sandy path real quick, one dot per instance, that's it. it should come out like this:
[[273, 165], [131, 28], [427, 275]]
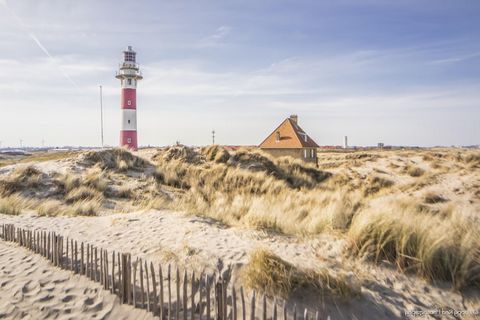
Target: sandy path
[[156, 235], [31, 288]]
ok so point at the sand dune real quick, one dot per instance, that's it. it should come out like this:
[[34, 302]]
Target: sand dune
[[170, 237]]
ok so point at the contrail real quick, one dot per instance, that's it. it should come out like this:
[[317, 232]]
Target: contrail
[[39, 44]]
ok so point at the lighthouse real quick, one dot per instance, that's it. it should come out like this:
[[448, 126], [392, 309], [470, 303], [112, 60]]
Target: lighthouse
[[129, 73]]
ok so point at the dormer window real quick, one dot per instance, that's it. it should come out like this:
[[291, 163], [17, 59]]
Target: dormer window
[[277, 136]]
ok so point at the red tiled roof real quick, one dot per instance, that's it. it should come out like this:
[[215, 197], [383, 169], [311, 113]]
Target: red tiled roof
[[291, 137]]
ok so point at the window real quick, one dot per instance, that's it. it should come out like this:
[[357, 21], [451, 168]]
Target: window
[[305, 154], [277, 138], [312, 153], [129, 102], [129, 140], [129, 81], [128, 121]]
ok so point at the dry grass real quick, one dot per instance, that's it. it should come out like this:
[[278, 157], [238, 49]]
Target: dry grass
[[89, 207], [274, 276], [38, 157], [23, 177], [13, 205], [435, 247], [114, 159], [376, 183]]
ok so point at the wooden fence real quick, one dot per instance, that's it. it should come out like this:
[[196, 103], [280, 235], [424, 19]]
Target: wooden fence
[[146, 286]]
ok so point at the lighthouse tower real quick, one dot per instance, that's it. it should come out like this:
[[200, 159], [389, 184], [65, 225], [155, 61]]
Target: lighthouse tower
[[129, 74]]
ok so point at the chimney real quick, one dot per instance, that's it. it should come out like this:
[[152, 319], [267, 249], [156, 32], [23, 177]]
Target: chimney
[[294, 118]]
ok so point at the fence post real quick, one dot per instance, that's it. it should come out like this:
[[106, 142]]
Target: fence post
[[169, 292], [154, 284], [120, 282], [76, 258], [96, 265], [274, 309], [160, 279], [264, 313], [142, 290], [148, 286], [106, 282], [129, 278], [177, 280], [207, 284], [82, 266], [244, 310], [234, 303], [135, 283], [125, 278], [185, 298], [252, 307], [219, 299], [192, 312], [113, 272]]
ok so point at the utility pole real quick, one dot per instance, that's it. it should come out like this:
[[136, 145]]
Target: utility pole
[[213, 136], [101, 114]]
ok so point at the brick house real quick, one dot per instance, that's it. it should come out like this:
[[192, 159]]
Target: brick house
[[288, 139]]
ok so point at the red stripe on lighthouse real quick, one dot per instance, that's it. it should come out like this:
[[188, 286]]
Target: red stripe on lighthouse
[[129, 139], [129, 98]]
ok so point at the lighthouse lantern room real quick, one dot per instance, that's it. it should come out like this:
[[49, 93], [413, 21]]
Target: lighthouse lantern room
[[129, 73]]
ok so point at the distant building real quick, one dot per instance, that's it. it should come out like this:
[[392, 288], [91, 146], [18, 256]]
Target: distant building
[[345, 142], [288, 139]]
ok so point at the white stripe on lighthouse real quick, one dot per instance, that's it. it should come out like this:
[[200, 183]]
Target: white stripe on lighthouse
[[129, 119]]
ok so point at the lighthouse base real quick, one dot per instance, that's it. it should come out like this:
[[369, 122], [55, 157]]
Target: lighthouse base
[[129, 139]]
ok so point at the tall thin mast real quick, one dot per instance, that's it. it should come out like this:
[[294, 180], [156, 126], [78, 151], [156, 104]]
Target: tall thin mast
[[101, 113]]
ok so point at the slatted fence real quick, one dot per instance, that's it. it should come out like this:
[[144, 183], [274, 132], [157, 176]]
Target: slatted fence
[[162, 290]]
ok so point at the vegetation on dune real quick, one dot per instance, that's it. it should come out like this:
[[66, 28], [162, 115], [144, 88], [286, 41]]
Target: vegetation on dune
[[115, 159], [249, 188], [37, 157], [415, 239], [23, 177], [429, 233], [269, 273]]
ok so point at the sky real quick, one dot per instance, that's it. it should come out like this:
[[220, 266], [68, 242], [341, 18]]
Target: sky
[[398, 72]]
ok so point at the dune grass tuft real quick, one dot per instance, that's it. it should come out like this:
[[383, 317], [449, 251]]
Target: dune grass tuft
[[430, 245], [269, 273], [118, 159], [23, 177], [13, 205]]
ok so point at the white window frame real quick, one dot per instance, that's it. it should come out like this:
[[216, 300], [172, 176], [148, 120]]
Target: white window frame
[[305, 154], [129, 102]]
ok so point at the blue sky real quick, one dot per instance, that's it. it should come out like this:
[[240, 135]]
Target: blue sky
[[398, 72]]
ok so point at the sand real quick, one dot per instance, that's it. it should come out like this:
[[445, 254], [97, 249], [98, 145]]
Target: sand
[[172, 237], [31, 288]]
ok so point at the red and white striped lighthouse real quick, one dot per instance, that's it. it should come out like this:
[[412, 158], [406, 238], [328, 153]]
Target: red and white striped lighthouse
[[129, 74]]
